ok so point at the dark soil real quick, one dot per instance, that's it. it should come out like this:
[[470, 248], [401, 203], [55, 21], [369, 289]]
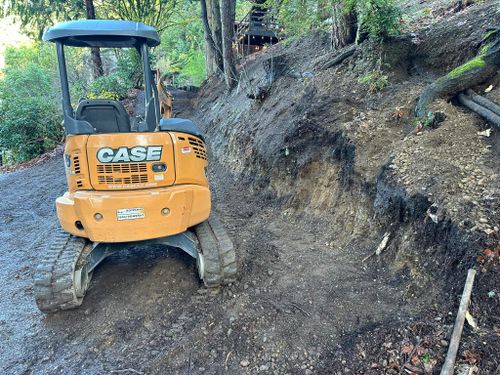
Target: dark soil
[[308, 182]]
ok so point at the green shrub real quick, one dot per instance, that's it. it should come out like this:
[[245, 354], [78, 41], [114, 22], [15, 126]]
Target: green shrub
[[30, 117], [112, 86], [378, 18], [374, 81]]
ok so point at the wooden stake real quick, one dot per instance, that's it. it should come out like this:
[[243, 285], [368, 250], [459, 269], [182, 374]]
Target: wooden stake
[[449, 362]]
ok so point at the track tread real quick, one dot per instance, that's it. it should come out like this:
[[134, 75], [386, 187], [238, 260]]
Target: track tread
[[54, 287], [218, 253]]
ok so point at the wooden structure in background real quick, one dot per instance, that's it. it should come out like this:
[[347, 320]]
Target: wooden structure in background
[[256, 30]]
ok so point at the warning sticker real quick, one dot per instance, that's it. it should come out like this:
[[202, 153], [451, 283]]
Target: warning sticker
[[130, 213]]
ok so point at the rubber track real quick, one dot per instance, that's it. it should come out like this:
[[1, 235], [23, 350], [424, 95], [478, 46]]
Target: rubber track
[[218, 253], [53, 280]]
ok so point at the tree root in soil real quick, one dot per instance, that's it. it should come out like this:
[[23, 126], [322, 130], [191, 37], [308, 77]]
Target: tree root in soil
[[338, 58], [474, 72]]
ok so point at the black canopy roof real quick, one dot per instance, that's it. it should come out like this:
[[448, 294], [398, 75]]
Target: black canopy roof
[[102, 33]]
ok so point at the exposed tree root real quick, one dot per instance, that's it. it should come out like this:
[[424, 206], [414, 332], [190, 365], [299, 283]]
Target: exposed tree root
[[472, 73], [338, 58]]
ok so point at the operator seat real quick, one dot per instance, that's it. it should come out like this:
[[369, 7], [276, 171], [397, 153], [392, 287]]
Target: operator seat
[[105, 116]]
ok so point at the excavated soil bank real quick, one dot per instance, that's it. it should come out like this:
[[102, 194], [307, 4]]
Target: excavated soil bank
[[308, 183]]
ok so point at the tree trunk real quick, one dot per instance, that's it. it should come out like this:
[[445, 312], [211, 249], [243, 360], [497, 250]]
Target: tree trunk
[[484, 66], [95, 53], [343, 26], [228, 14], [213, 58], [214, 18]]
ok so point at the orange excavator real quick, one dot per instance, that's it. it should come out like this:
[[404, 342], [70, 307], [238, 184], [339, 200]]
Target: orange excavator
[[137, 185]]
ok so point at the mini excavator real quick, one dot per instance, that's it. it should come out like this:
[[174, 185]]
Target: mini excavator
[[127, 184]]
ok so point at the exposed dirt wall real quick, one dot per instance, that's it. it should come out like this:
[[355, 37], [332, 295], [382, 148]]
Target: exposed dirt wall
[[325, 149]]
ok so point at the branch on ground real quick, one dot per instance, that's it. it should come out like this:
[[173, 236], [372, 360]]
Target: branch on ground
[[337, 58], [474, 72]]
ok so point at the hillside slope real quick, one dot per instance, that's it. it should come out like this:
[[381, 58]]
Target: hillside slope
[[324, 152]]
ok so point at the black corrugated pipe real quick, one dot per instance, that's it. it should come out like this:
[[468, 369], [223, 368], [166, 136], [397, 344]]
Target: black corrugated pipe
[[479, 109], [488, 104]]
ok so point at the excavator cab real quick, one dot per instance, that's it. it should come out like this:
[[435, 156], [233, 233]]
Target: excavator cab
[[127, 184]]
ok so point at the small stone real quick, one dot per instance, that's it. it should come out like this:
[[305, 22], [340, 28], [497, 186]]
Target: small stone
[[270, 272], [244, 363], [483, 220], [443, 343]]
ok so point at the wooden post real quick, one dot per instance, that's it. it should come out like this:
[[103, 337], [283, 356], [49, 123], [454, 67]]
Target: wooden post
[[449, 362]]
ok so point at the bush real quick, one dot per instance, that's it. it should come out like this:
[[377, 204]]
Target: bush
[[111, 86], [30, 115], [378, 18], [126, 75]]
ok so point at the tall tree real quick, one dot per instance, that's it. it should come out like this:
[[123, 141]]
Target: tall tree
[[218, 20], [214, 63], [228, 14], [95, 53]]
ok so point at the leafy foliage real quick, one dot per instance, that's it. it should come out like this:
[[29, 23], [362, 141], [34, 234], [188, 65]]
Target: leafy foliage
[[126, 75], [376, 18], [375, 80], [300, 16], [37, 15], [181, 53], [30, 118], [156, 13]]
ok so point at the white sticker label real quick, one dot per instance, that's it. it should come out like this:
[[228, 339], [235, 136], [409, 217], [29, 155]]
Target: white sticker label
[[159, 177], [186, 150], [130, 213]]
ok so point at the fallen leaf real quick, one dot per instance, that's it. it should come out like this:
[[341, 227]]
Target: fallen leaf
[[471, 357], [407, 348], [470, 319], [489, 88]]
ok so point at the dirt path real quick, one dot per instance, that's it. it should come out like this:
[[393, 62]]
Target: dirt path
[[297, 300]]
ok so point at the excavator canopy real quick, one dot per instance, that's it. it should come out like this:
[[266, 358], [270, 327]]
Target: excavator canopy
[[102, 33]]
